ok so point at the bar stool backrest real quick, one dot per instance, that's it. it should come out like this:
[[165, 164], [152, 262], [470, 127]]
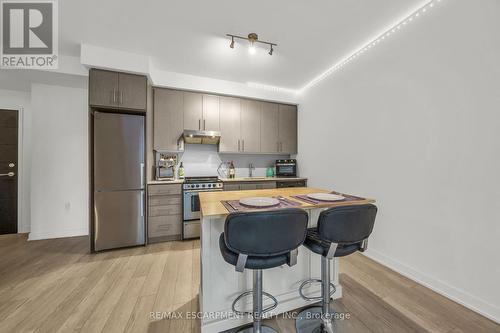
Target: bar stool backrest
[[265, 234], [348, 224]]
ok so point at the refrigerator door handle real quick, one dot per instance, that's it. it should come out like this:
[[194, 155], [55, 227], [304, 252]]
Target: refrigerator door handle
[[142, 175], [142, 204]]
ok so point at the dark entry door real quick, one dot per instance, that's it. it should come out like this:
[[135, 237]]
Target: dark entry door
[[8, 171]]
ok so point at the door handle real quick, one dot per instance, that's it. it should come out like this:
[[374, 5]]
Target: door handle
[[10, 174], [142, 175]]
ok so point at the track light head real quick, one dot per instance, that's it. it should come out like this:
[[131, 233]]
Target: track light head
[[271, 51], [232, 43]]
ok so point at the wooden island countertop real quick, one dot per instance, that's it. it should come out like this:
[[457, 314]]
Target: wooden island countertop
[[211, 206]]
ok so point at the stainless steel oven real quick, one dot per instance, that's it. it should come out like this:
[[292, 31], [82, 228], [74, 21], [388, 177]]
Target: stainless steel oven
[[286, 168], [191, 202]]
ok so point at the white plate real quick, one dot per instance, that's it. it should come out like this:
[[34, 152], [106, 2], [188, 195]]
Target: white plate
[[260, 202], [325, 196]]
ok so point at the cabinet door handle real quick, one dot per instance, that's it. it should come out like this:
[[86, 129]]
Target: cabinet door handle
[[199, 124], [243, 144], [238, 144], [113, 96], [121, 98], [10, 174], [204, 124], [277, 146]]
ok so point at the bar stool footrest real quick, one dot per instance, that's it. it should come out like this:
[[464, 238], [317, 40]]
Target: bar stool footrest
[[311, 281], [250, 292]]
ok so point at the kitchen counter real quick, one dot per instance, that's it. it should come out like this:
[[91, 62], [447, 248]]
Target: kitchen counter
[[261, 179], [221, 284], [232, 180], [165, 182]]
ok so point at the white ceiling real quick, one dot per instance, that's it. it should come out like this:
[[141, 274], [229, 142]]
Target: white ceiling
[[188, 36]]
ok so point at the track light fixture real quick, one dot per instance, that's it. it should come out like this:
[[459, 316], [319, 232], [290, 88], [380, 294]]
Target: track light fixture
[[252, 38]]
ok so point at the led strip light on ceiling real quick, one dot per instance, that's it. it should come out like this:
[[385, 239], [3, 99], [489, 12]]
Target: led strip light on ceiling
[[393, 28]]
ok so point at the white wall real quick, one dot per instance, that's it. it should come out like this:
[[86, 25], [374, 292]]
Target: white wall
[[21, 100], [102, 57], [414, 123], [59, 172], [203, 160]]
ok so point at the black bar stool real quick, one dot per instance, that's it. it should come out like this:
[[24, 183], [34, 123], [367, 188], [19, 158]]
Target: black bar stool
[[340, 231], [262, 240]]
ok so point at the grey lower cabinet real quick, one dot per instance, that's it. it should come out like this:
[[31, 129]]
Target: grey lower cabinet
[[108, 89], [230, 118], [164, 212], [168, 123], [243, 186], [287, 129], [291, 183]]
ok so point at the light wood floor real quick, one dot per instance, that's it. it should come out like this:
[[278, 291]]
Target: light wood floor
[[56, 286]]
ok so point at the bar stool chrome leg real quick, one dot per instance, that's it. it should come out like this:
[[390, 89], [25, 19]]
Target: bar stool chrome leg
[[318, 319], [258, 310]]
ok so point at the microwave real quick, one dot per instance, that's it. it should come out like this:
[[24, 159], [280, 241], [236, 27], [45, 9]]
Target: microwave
[[286, 168]]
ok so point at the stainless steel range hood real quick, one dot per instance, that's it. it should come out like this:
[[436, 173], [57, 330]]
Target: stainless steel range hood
[[201, 137]]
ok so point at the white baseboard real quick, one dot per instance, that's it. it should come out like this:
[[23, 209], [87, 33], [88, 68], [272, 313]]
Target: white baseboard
[[472, 302], [57, 234]]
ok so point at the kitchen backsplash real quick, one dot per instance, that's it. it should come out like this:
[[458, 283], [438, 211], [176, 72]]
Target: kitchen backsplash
[[203, 160]]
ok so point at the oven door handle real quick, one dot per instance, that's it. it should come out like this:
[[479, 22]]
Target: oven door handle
[[192, 203]]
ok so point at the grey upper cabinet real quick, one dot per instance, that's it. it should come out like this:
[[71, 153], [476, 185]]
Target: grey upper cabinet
[[168, 123], [250, 126], [193, 106], [132, 91], [103, 88], [269, 128], [201, 112], [246, 125], [230, 118], [210, 120], [117, 90], [287, 129]]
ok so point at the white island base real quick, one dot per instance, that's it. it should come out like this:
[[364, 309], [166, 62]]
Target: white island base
[[221, 284]]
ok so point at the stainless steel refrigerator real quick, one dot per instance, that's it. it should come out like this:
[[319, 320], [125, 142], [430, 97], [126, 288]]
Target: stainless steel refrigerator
[[118, 181]]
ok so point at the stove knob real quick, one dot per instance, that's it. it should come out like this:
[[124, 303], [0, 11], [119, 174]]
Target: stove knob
[[197, 185], [203, 185], [209, 185]]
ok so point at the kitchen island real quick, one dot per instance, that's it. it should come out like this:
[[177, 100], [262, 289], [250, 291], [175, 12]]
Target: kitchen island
[[221, 284]]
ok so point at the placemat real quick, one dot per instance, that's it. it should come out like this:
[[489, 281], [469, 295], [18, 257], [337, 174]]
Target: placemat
[[348, 197], [235, 206]]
